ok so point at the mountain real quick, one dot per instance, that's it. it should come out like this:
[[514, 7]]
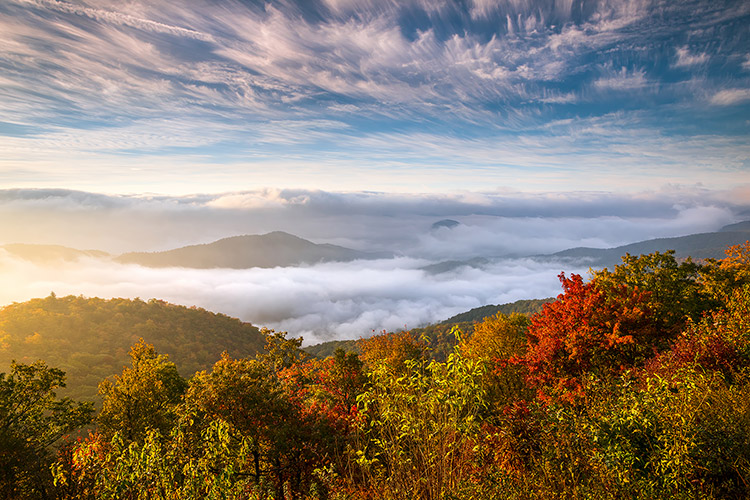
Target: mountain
[[697, 246], [451, 265], [90, 338], [529, 306], [50, 254], [276, 249], [448, 223]]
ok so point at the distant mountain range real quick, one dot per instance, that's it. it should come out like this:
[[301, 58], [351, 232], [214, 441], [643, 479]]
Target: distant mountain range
[[50, 253], [280, 249], [276, 249], [698, 246]]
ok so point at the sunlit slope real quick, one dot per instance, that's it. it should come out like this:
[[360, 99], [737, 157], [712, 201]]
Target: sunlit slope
[[89, 338], [50, 254]]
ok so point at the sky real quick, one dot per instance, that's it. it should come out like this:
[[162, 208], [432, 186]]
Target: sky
[[538, 125], [411, 96]]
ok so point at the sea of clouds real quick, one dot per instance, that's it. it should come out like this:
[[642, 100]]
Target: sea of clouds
[[344, 300]]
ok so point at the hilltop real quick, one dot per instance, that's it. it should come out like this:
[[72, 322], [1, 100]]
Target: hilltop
[[89, 338], [276, 249]]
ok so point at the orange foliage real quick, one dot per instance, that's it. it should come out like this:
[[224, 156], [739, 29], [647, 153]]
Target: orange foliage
[[587, 330], [393, 349]]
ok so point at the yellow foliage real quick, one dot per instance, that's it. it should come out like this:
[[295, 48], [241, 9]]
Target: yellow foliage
[[34, 339]]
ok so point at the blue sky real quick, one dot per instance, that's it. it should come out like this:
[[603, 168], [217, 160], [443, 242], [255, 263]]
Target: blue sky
[[411, 96]]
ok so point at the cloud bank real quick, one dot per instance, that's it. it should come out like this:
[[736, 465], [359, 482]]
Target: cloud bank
[[342, 300], [492, 223]]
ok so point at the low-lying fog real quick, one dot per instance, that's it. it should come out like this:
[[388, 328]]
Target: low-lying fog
[[340, 300]]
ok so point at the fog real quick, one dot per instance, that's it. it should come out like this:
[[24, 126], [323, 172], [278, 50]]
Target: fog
[[322, 302], [341, 300]]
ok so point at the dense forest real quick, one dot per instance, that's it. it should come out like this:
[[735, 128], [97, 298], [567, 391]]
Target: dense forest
[[632, 384], [89, 338]]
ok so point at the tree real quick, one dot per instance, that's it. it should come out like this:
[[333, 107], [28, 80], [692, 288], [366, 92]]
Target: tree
[[588, 330], [496, 341], [391, 349], [498, 337], [144, 397], [281, 352], [675, 291], [720, 278], [283, 442], [32, 419], [417, 434]]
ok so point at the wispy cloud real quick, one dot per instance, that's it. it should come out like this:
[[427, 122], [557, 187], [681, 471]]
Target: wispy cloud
[[116, 18], [622, 80], [284, 86], [686, 59], [729, 97]]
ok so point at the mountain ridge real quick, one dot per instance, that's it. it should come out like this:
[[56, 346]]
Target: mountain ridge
[[274, 249]]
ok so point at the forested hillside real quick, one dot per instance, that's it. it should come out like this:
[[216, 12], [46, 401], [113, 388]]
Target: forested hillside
[[89, 338], [633, 384]]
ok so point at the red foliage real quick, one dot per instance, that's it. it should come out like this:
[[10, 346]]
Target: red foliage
[[320, 396], [588, 329], [326, 390]]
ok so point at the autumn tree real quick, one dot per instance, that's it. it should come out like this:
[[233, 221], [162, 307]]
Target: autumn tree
[[143, 397], [32, 419], [497, 341], [324, 393], [498, 337], [391, 349], [281, 352], [588, 330], [284, 443], [721, 277], [675, 290], [417, 434]]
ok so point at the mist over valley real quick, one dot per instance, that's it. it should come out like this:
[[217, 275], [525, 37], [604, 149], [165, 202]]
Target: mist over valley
[[372, 262]]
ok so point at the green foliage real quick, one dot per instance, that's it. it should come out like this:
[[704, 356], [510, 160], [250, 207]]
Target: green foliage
[[418, 427], [32, 419], [143, 397], [325, 349], [281, 352], [526, 307], [284, 442], [209, 465], [675, 293]]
